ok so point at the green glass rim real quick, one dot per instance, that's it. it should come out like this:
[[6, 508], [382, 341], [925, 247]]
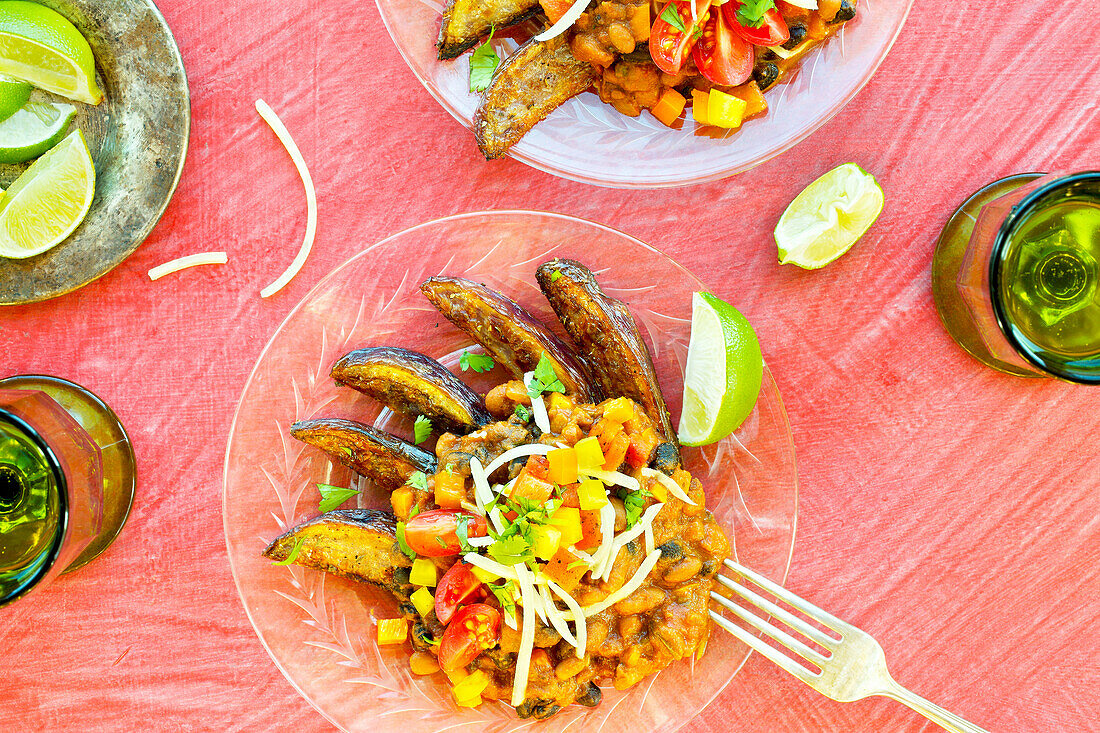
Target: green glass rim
[[1017, 216], [62, 500]]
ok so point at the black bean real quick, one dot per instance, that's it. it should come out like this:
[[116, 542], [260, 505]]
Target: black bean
[[536, 708], [847, 12], [708, 568], [666, 458], [766, 75], [591, 697], [546, 710], [798, 35], [671, 550]]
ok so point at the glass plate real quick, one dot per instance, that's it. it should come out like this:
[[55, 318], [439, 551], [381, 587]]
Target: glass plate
[[588, 141], [318, 628]]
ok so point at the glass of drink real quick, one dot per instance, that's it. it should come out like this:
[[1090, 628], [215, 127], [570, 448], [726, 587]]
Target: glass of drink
[[1016, 276], [66, 481]]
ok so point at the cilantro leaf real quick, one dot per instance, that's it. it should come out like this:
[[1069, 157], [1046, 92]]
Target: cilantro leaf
[[523, 413], [462, 529], [511, 550], [634, 503], [544, 379], [401, 543], [751, 13], [293, 553], [505, 595], [671, 16], [418, 480], [483, 63], [422, 429], [333, 496], [480, 363]]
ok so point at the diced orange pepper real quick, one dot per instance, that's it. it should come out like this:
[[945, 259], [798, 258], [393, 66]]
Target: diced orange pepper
[[392, 630], [590, 530], [559, 571], [619, 409], [569, 496], [423, 663], [751, 95], [615, 453], [450, 489], [532, 482], [669, 107], [402, 500], [563, 466]]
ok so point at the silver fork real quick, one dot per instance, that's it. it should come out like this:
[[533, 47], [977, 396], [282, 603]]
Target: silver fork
[[853, 667]]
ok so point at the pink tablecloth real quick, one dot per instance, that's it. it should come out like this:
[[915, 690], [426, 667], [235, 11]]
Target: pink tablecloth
[[949, 510]]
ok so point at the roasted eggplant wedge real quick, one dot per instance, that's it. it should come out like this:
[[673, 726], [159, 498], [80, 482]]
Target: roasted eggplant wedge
[[606, 334], [530, 84], [358, 544], [511, 335], [386, 460], [465, 22], [413, 384]]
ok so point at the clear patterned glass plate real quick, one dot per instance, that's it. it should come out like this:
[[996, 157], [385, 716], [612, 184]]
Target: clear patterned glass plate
[[318, 628], [588, 141]]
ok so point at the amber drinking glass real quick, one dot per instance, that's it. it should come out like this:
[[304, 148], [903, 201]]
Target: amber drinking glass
[[66, 481], [1016, 276]]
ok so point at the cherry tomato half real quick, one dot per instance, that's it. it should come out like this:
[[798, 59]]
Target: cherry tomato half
[[723, 57], [458, 585], [435, 533], [772, 32], [473, 629], [668, 45]]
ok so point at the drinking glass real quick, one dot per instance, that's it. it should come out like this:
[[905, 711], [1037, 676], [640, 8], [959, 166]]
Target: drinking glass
[[1016, 276], [66, 481]]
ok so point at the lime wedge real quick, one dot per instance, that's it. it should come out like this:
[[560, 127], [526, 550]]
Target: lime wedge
[[826, 219], [14, 93], [33, 130], [723, 374], [47, 203], [40, 46]]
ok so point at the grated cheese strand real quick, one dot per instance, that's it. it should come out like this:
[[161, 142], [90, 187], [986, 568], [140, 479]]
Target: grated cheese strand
[[629, 587], [491, 565], [629, 536], [557, 618], [283, 134], [531, 449], [526, 647], [613, 478], [669, 483], [577, 616], [528, 593], [538, 407], [606, 553], [182, 263], [564, 22]]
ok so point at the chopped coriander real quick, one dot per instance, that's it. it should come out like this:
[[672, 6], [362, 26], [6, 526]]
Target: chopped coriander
[[429, 640], [480, 363], [576, 564], [483, 63], [505, 594], [418, 480], [401, 543], [671, 16], [462, 529], [422, 429], [511, 550], [333, 496], [414, 510], [523, 413], [751, 13], [555, 276], [544, 379], [347, 451], [293, 553], [634, 503]]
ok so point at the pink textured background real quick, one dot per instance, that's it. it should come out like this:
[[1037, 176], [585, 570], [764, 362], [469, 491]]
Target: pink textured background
[[949, 510]]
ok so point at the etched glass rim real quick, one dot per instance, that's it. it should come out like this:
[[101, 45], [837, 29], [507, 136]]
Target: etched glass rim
[[1019, 214]]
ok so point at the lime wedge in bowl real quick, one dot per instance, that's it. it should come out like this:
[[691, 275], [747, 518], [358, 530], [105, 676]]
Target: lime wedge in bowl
[[723, 373], [41, 46], [827, 218], [47, 203], [14, 93], [33, 130]]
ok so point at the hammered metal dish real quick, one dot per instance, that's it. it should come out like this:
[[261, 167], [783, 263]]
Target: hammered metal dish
[[138, 139]]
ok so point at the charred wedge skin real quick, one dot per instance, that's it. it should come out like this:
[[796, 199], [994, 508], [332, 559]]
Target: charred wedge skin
[[466, 22], [358, 544], [530, 84], [413, 384], [385, 459], [608, 337], [513, 337]]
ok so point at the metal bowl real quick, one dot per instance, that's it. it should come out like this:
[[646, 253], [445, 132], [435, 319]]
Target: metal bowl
[[138, 139]]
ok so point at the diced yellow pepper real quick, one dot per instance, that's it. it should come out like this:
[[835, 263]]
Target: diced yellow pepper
[[568, 520], [423, 572], [456, 675], [557, 401], [589, 453], [392, 630], [423, 663], [485, 576], [563, 466], [725, 110], [619, 409], [471, 686], [473, 702], [699, 103], [424, 601], [660, 493], [592, 494], [547, 540]]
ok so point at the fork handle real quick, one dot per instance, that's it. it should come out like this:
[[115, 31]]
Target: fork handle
[[943, 718]]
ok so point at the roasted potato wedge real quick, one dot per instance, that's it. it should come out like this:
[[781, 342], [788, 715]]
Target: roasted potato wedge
[[607, 336], [358, 544], [511, 335], [465, 22], [386, 460], [530, 84], [413, 384]]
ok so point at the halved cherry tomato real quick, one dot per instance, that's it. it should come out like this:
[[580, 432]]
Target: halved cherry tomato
[[668, 45], [722, 56], [435, 533], [473, 629], [773, 31], [458, 585]]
